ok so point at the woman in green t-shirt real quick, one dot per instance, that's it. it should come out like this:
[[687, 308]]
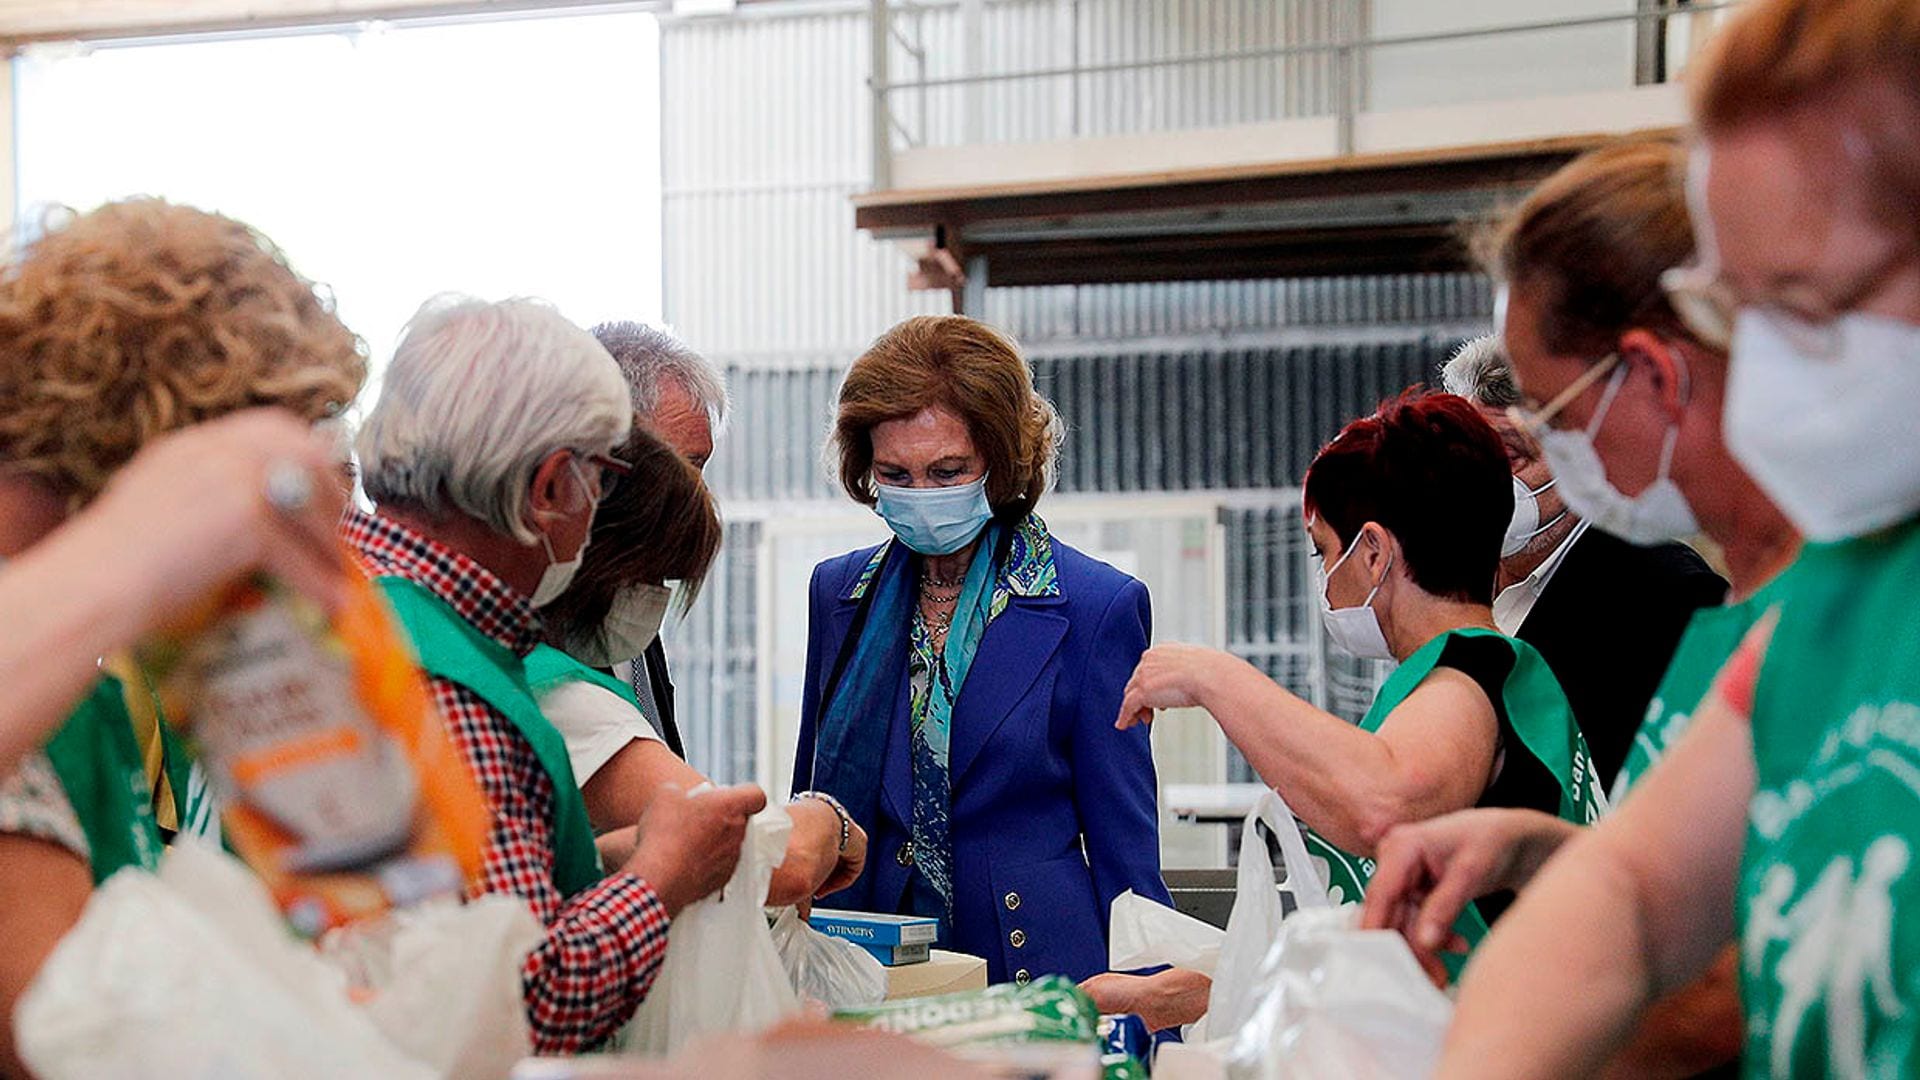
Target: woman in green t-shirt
[[1619, 387], [1786, 821], [1407, 510]]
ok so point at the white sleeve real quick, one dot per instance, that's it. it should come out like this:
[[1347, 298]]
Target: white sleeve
[[596, 722]]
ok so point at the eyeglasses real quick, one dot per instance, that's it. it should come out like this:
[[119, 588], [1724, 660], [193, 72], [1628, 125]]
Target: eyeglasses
[[612, 470], [1706, 302], [1703, 301], [1534, 421]]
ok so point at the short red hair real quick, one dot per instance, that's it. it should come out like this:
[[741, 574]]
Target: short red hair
[[1430, 470]]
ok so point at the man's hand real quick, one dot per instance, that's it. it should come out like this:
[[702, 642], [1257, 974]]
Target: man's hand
[[690, 844], [1164, 1000], [1430, 870]]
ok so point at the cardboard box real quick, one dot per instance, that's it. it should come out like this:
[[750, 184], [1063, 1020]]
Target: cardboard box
[[944, 973]]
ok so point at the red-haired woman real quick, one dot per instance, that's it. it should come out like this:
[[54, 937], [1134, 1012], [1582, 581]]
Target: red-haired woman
[[1406, 509]]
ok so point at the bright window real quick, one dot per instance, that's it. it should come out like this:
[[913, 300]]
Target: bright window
[[502, 158]]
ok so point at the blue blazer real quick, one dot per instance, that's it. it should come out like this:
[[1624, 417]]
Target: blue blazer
[[1054, 812]]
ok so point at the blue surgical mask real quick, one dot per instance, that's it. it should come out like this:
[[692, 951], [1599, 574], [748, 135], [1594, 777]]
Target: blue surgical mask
[[935, 521]]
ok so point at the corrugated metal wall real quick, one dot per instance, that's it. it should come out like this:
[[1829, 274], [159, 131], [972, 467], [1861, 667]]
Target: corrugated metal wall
[[1186, 387]]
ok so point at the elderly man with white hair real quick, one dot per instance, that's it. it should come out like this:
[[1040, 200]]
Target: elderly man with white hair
[[486, 456], [678, 394], [1605, 613]]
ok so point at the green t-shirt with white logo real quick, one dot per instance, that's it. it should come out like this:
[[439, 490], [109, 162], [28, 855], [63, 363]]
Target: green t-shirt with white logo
[[1829, 970], [1711, 638]]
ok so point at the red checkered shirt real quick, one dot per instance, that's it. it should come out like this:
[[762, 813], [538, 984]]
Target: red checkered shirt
[[604, 944]]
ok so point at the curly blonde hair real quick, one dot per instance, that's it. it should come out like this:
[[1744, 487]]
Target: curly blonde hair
[[142, 317]]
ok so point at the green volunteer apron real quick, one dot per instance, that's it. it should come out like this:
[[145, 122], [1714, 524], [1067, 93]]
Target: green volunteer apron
[[1712, 636], [183, 800], [100, 767], [1830, 970], [194, 805], [548, 669], [1538, 712], [451, 649]]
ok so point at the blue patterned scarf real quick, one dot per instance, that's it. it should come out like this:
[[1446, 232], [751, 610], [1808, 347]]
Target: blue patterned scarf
[[850, 753]]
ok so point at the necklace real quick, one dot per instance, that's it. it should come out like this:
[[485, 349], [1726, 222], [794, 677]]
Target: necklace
[[937, 625]]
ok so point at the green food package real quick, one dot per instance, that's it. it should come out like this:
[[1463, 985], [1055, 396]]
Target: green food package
[[1122, 1067], [1049, 1009]]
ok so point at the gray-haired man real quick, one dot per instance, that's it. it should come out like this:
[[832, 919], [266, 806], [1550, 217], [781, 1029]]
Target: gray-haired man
[[680, 396]]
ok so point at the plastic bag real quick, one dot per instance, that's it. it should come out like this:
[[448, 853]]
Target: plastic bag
[[832, 971], [445, 980], [722, 972], [1337, 1002], [1255, 923], [1146, 933], [191, 973]]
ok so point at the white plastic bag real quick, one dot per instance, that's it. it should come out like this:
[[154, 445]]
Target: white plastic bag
[[1255, 922], [446, 981], [1146, 933], [1337, 1003], [191, 973], [722, 972], [832, 971]]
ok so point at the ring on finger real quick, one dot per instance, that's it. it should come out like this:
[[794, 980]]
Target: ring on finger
[[289, 487]]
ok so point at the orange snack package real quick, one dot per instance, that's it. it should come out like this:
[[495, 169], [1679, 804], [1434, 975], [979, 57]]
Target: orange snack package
[[340, 785]]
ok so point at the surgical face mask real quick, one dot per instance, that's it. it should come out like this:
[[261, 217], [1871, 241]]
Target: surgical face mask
[[632, 623], [935, 521], [1658, 514], [1525, 525], [1827, 432], [558, 575], [1355, 629]]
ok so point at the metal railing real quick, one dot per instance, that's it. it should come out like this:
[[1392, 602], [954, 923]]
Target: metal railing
[[1348, 48]]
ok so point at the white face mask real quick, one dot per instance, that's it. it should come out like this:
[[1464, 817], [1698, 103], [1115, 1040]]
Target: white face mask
[[1525, 525], [1828, 436], [632, 622], [1655, 515], [558, 575], [1355, 629]]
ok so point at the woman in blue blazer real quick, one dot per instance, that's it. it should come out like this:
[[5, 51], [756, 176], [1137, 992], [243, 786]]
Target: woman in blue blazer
[[963, 678]]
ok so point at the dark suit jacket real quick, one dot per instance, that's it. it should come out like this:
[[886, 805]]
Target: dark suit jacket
[[1054, 812], [656, 661], [1608, 623]]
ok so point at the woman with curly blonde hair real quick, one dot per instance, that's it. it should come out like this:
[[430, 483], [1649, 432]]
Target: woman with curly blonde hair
[[962, 679], [117, 328]]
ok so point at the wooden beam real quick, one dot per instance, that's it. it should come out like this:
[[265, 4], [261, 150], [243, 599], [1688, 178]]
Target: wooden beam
[[1383, 174], [1293, 253]]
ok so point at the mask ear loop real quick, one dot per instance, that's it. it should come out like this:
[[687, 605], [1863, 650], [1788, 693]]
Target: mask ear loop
[[1673, 426], [1327, 581], [1614, 383], [1384, 575]]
